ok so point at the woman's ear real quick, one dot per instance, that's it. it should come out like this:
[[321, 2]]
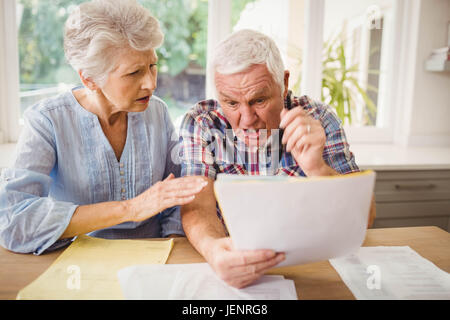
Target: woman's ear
[[88, 82]]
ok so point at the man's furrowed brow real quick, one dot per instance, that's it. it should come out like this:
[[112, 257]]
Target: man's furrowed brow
[[260, 92], [256, 94], [225, 96]]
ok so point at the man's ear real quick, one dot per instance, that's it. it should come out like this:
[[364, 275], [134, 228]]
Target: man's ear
[[286, 83], [88, 82]]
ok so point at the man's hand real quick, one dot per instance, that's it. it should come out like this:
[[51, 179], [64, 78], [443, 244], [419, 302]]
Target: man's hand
[[305, 139], [239, 268]]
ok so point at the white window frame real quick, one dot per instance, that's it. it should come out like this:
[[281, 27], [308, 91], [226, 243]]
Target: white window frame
[[408, 16], [9, 73], [314, 15], [219, 26]]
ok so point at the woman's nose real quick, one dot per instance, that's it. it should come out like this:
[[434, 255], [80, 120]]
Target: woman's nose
[[149, 81]]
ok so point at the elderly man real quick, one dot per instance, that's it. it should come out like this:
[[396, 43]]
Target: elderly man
[[254, 128]]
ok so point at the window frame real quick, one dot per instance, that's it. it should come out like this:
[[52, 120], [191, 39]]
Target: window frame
[[9, 74]]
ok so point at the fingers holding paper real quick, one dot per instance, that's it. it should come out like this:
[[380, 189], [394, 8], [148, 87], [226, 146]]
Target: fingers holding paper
[[239, 268]]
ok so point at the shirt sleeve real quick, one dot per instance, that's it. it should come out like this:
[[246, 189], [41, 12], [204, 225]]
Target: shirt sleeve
[[196, 148], [337, 152], [30, 220], [170, 219]]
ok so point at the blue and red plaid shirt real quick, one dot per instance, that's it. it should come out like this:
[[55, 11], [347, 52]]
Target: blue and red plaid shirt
[[208, 145]]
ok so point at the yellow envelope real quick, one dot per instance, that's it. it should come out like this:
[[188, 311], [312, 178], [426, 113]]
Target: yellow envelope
[[87, 269]]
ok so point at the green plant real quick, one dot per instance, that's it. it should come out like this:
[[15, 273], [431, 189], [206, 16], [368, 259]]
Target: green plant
[[340, 86], [41, 41]]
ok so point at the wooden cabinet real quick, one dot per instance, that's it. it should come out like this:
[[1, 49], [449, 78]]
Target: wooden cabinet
[[410, 198]]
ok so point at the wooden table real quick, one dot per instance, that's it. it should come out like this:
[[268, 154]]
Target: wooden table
[[313, 281]]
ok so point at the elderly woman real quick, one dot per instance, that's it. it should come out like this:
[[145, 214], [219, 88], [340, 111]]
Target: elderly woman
[[100, 159]]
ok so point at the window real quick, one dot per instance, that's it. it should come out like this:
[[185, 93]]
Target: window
[[44, 71], [364, 34], [357, 48], [377, 37]]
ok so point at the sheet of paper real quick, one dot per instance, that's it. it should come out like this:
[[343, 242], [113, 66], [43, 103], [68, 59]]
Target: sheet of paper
[[87, 269], [391, 273], [196, 282], [310, 219]]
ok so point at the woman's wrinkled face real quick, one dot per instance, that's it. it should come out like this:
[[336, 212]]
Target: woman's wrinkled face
[[131, 84]]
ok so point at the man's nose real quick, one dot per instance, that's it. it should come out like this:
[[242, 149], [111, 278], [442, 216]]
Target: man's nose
[[248, 116]]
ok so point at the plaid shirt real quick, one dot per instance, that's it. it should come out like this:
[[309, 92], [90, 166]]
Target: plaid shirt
[[208, 146]]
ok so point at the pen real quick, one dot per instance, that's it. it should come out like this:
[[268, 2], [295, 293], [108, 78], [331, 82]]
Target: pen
[[288, 101], [288, 105]]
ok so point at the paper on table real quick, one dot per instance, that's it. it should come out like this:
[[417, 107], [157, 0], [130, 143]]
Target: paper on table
[[87, 269], [196, 281], [392, 273], [310, 219]]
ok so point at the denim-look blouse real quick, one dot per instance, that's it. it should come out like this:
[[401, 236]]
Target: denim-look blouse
[[64, 160]]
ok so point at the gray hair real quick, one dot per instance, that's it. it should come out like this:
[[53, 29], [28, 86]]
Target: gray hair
[[96, 30], [245, 48]]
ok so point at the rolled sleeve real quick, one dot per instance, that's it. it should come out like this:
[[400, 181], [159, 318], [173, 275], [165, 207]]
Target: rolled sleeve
[[30, 222], [337, 152], [170, 220]]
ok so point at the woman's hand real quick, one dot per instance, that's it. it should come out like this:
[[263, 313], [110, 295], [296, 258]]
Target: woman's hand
[[164, 194]]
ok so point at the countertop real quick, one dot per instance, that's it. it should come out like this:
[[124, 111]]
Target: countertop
[[394, 157], [368, 156]]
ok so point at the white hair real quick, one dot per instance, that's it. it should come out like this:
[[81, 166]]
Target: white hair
[[96, 30], [245, 48]]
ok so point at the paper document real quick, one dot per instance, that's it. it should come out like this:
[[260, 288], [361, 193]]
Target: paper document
[[391, 273], [196, 281], [87, 269], [310, 219]]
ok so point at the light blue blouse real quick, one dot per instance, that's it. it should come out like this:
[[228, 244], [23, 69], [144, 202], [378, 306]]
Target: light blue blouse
[[64, 160]]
